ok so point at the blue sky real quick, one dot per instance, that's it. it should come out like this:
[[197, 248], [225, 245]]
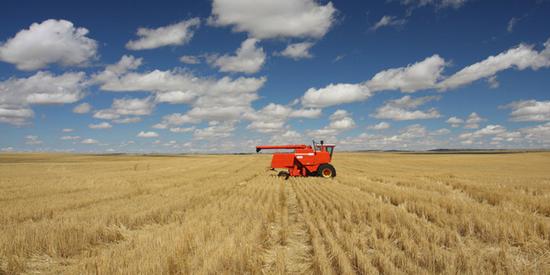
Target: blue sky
[[224, 76]]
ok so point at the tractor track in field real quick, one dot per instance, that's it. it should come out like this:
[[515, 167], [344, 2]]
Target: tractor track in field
[[288, 248]]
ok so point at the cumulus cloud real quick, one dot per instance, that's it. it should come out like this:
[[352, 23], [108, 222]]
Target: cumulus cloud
[[436, 3], [403, 109], [412, 137], [50, 42], [69, 138], [418, 76], [271, 19], [380, 126], [127, 120], [189, 59], [127, 107], [15, 115], [273, 117], [89, 141], [473, 120], [7, 149], [520, 58], [101, 125], [455, 121], [215, 130], [489, 130], [248, 59], [388, 21], [175, 34], [335, 94], [32, 140], [149, 134], [529, 110], [221, 99], [182, 129], [297, 51], [287, 137], [538, 135], [67, 130], [340, 121], [177, 86], [17, 94], [82, 108]]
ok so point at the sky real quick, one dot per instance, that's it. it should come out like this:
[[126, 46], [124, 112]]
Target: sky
[[223, 76]]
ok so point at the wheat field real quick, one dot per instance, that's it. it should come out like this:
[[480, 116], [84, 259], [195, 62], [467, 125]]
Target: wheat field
[[384, 213]]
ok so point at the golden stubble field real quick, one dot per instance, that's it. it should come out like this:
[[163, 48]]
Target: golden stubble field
[[383, 213]]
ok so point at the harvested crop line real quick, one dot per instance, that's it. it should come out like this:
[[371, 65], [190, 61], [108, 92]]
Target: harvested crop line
[[383, 213], [288, 248]]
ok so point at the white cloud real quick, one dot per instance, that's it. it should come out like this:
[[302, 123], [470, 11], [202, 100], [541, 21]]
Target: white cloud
[[340, 121], [32, 140], [102, 125], [441, 132], [529, 110], [67, 130], [306, 113], [403, 109], [473, 120], [113, 71], [70, 138], [248, 59], [297, 51], [388, 21], [7, 149], [89, 141], [182, 129], [493, 82], [150, 134], [49, 42], [273, 117], [17, 94], [520, 58], [271, 19], [127, 120], [335, 94], [455, 121], [175, 34], [219, 99], [189, 59], [82, 108], [215, 130], [127, 107], [15, 115], [539, 134], [497, 133], [413, 137], [418, 76], [288, 137], [512, 24], [437, 3], [380, 126]]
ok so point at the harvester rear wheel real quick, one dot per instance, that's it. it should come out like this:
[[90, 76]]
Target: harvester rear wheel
[[326, 171]]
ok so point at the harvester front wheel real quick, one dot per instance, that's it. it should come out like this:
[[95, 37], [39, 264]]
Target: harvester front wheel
[[326, 171]]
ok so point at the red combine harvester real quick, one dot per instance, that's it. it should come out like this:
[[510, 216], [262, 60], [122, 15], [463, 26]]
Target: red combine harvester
[[305, 160]]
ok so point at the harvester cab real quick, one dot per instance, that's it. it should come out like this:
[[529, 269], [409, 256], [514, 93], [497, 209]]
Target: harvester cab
[[303, 160]]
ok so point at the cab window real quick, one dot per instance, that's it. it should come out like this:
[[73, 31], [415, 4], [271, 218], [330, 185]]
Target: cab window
[[330, 149]]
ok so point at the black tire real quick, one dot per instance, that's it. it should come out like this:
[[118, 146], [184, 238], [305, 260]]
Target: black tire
[[326, 171], [284, 174]]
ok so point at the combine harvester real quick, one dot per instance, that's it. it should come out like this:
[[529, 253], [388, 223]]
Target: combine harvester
[[304, 161]]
